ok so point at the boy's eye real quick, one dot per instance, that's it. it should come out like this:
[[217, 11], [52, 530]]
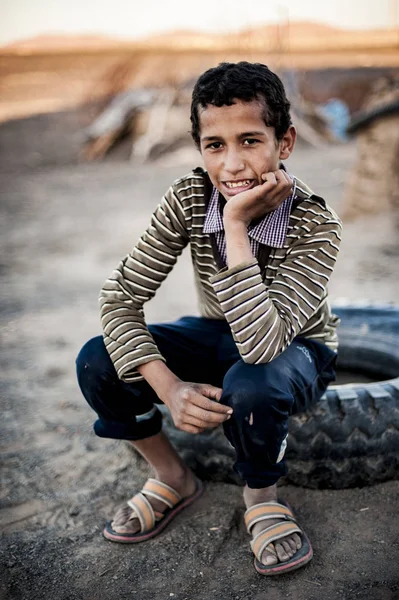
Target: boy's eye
[[250, 141], [214, 145]]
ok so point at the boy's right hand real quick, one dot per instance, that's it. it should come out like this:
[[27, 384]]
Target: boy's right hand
[[195, 406]]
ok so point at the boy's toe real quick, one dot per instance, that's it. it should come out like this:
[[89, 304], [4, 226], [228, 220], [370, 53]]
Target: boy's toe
[[269, 556], [287, 547], [297, 540], [281, 553]]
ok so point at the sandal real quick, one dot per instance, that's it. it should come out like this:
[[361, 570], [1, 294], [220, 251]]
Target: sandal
[[152, 522], [287, 525]]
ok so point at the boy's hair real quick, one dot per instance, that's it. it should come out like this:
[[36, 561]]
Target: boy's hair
[[227, 82]]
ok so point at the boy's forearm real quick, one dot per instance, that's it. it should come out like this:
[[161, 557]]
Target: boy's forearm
[[238, 247], [159, 377]]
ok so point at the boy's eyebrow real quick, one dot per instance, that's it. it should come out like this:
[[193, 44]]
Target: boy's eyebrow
[[252, 133], [208, 138], [242, 135]]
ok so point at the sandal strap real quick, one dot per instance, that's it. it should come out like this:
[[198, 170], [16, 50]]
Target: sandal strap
[[161, 491], [144, 511], [271, 534], [267, 510]]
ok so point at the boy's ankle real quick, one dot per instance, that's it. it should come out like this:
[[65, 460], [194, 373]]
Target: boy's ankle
[[256, 496], [174, 476]]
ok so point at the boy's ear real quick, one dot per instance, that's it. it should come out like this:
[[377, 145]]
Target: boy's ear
[[287, 143]]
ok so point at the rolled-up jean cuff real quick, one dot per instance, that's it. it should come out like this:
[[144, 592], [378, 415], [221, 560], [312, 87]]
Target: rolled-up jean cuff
[[262, 480], [129, 431]]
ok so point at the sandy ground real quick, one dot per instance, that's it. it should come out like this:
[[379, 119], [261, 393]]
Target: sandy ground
[[63, 230]]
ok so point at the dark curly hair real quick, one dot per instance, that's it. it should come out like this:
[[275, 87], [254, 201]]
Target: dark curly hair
[[227, 82]]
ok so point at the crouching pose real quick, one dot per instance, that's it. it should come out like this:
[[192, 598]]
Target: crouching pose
[[263, 248]]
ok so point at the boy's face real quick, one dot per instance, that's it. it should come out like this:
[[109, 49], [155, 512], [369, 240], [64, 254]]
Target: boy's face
[[237, 146]]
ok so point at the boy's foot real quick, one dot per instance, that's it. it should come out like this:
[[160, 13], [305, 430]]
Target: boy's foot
[[283, 549], [126, 520]]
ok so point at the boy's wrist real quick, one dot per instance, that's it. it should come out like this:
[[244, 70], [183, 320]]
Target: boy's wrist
[[235, 225], [160, 378], [238, 247]]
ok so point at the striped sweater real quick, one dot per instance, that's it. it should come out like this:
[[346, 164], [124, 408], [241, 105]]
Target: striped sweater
[[266, 301]]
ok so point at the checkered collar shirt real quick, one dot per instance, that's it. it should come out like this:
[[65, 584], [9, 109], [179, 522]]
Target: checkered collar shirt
[[270, 231]]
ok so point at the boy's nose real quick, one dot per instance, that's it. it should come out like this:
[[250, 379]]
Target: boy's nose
[[234, 162]]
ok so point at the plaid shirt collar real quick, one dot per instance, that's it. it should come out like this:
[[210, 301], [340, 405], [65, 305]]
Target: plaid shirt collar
[[271, 230]]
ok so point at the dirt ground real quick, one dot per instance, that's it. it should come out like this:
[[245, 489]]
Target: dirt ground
[[63, 230]]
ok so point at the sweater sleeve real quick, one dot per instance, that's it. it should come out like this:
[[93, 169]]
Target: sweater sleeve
[[135, 281], [264, 320]]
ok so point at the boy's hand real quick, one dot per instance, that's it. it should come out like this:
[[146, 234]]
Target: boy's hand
[[260, 200], [195, 407]]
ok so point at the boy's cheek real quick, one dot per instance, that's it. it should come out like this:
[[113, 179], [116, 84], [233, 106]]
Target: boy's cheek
[[213, 179], [264, 170], [269, 167]]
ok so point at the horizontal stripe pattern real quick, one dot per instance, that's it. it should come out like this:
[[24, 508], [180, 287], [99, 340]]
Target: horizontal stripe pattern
[[265, 309]]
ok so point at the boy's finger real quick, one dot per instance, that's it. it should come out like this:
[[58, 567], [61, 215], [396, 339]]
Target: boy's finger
[[206, 422], [281, 175], [281, 191], [211, 391], [205, 416], [192, 429], [269, 178], [279, 197], [211, 405], [284, 181]]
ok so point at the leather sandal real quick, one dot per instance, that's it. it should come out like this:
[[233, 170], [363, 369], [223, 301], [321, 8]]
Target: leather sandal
[[152, 522], [263, 541]]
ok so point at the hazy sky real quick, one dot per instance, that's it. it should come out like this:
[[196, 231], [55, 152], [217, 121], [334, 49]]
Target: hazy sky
[[132, 18]]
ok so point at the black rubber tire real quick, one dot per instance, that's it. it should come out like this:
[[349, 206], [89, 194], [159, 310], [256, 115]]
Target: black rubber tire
[[351, 437]]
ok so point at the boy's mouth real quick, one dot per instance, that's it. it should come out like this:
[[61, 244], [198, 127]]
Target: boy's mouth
[[237, 186]]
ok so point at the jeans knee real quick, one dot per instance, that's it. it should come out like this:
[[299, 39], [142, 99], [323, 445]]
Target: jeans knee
[[242, 395], [93, 360], [254, 388]]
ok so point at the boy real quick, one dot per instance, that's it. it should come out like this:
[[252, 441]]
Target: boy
[[263, 247]]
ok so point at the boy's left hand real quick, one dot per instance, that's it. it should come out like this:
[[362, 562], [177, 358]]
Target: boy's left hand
[[260, 200]]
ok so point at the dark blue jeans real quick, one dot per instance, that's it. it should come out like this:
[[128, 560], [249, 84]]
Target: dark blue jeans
[[203, 351]]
